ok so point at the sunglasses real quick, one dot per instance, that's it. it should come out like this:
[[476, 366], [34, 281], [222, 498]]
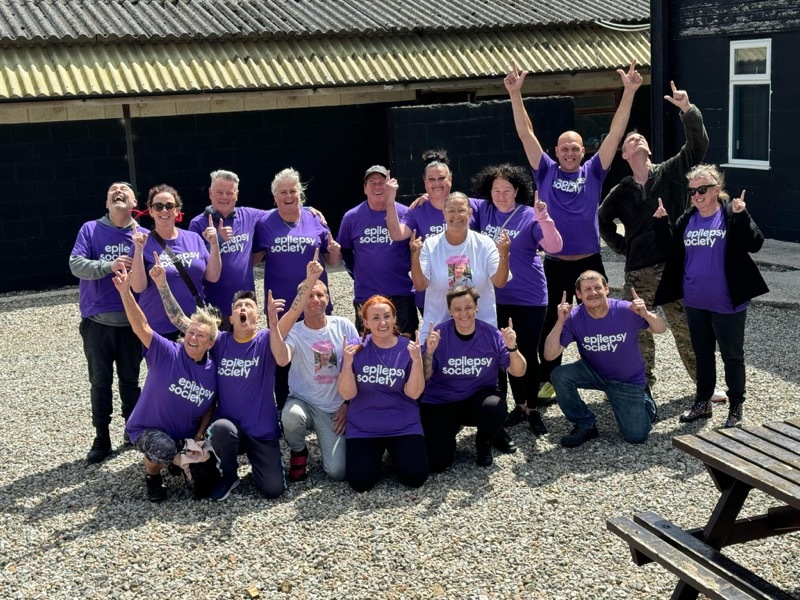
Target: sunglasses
[[700, 189], [159, 206]]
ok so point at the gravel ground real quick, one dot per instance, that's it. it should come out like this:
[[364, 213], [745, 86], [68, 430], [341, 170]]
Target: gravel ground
[[531, 526]]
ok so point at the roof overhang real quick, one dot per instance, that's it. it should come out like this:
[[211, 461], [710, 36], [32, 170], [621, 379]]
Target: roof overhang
[[118, 70]]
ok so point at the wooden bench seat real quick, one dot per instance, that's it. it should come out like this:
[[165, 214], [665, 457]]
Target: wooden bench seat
[[698, 565]]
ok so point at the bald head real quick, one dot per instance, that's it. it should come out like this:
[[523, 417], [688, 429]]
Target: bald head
[[570, 151]]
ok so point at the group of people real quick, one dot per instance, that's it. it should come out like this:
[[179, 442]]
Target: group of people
[[392, 382]]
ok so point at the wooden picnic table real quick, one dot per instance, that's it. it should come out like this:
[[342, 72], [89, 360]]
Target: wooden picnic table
[[763, 457]]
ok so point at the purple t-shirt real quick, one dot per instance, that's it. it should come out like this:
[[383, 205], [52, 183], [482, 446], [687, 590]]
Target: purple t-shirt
[[98, 241], [381, 407], [288, 252], [704, 283], [528, 287], [246, 382], [610, 345], [236, 253], [190, 249], [427, 220], [381, 265], [572, 200], [176, 393], [461, 368]]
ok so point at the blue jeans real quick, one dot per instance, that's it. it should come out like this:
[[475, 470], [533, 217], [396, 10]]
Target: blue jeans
[[707, 330], [633, 406]]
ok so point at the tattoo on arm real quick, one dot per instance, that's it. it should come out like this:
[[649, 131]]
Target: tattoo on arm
[[175, 313], [427, 366], [298, 299]]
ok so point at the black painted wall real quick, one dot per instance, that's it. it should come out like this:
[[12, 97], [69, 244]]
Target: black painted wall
[[773, 196], [54, 176]]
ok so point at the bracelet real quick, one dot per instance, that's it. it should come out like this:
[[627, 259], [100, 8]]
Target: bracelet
[[514, 349]]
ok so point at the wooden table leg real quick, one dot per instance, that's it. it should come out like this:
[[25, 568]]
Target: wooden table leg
[[719, 526]]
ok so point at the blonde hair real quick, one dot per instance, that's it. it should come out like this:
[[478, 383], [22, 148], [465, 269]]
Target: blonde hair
[[713, 173], [289, 174], [206, 316]]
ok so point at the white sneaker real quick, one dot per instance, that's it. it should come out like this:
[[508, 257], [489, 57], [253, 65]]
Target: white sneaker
[[719, 396]]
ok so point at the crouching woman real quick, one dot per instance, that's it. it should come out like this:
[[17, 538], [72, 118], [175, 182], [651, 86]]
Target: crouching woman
[[177, 398]]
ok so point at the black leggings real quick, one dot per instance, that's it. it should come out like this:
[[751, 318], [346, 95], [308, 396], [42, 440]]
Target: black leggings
[[561, 276], [528, 322], [364, 457], [441, 423]]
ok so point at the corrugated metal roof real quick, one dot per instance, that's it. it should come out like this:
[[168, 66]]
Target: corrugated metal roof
[[107, 70], [112, 21]]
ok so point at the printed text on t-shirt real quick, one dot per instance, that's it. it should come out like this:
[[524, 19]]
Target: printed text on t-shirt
[[191, 391], [603, 343], [569, 185], [703, 237], [464, 365], [380, 375]]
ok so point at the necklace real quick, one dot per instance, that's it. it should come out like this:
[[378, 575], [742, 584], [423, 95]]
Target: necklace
[[390, 355]]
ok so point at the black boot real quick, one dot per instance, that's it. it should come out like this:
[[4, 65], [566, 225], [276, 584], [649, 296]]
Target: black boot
[[101, 447]]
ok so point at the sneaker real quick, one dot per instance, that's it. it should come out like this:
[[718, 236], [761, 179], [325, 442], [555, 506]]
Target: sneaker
[[734, 417], [516, 416], [578, 436], [101, 447], [225, 487], [503, 442], [547, 392], [156, 492], [719, 396], [536, 423], [483, 455], [699, 410], [298, 465]]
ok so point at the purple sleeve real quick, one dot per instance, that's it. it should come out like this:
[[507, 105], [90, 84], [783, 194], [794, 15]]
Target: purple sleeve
[[83, 245], [567, 334], [344, 237]]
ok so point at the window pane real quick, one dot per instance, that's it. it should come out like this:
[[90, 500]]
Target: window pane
[[751, 61], [751, 122]]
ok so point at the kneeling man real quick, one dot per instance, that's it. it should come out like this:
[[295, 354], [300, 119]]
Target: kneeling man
[[611, 361]]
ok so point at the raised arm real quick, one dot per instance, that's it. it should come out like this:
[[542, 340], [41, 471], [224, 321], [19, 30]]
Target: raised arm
[[416, 379], [214, 266], [313, 271], [655, 324], [137, 274], [417, 275], [397, 231], [500, 276], [280, 350], [513, 83], [347, 378], [135, 315], [551, 238], [552, 345], [174, 311], [518, 364], [631, 81]]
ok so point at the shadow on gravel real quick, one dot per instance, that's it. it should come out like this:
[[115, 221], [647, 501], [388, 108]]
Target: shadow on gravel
[[14, 303]]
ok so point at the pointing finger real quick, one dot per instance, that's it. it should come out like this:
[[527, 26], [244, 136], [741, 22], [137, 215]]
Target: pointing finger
[[430, 328], [210, 220], [564, 298], [660, 203], [510, 324], [156, 258], [221, 224], [316, 254], [133, 227], [633, 293], [742, 196], [269, 297], [672, 84]]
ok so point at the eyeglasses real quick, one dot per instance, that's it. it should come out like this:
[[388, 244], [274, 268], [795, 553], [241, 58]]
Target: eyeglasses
[[159, 206], [700, 189]]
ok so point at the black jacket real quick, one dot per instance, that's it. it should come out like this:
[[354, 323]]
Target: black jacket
[[741, 273], [634, 204]]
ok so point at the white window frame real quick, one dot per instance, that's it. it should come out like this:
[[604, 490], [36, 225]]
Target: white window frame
[[742, 80]]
